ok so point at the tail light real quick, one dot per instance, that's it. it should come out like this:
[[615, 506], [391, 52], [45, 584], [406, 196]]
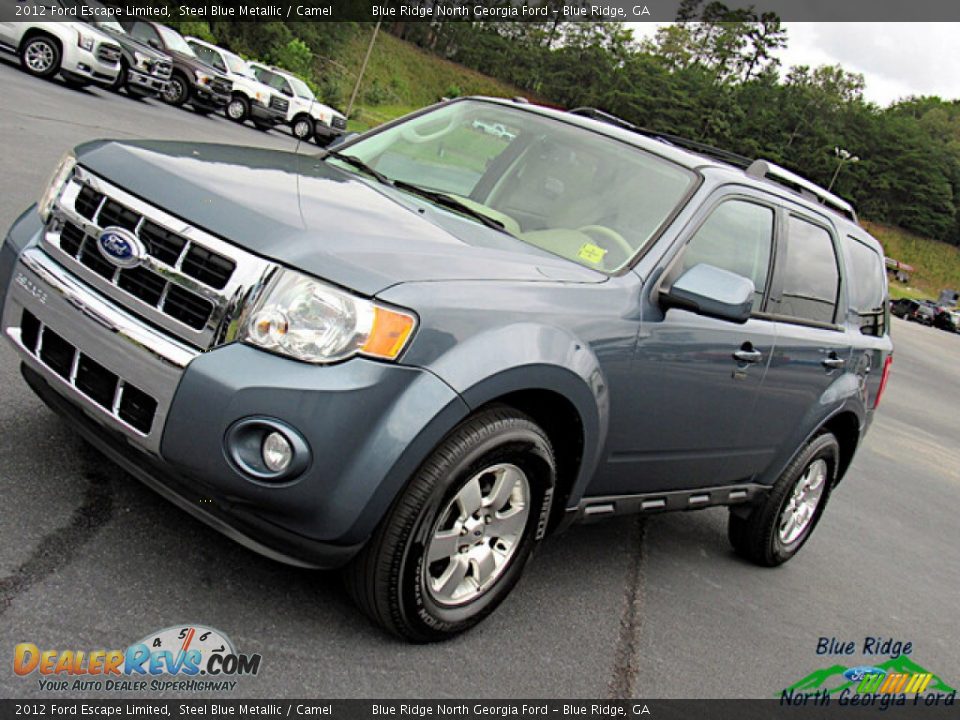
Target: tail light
[[883, 379]]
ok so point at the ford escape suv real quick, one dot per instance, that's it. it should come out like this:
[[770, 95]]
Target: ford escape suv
[[417, 354]]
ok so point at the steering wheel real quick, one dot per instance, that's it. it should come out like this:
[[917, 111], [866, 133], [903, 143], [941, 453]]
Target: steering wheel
[[602, 232]]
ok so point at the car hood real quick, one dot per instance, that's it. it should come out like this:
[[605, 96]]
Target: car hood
[[308, 215], [131, 43]]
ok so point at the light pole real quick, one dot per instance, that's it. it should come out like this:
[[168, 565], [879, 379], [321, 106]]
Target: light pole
[[844, 157]]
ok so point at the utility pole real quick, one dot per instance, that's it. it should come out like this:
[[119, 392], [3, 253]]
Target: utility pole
[[363, 69]]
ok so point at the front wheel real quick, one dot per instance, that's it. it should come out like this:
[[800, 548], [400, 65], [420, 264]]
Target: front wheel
[[176, 92], [456, 540], [303, 128], [238, 109], [40, 56], [775, 530]]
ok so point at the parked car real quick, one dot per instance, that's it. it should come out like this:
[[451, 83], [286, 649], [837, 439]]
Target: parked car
[[144, 71], [904, 307], [948, 320], [250, 98], [76, 51], [418, 363], [307, 117], [192, 80]]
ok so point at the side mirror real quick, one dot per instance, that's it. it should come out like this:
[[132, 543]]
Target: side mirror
[[155, 44], [711, 291]]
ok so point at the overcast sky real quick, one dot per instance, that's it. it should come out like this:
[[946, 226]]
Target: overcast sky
[[896, 59]]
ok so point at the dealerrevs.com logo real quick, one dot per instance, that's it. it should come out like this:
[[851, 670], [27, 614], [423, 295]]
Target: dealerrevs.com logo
[[182, 658]]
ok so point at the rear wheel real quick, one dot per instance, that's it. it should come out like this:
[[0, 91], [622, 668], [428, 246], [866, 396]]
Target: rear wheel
[[775, 530], [238, 109], [456, 540], [177, 91], [40, 56]]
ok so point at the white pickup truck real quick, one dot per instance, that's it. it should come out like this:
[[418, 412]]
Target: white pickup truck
[[306, 116], [79, 52], [249, 98]]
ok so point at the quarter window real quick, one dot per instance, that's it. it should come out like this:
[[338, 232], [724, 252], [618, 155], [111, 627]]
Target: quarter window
[[738, 236], [811, 279], [865, 279]]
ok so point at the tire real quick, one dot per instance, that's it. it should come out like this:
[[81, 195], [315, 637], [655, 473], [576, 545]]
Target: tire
[[238, 109], [40, 56], [121, 82], [764, 536], [177, 91], [302, 127], [499, 453]]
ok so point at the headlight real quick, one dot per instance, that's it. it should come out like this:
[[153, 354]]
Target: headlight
[[309, 320], [55, 184], [141, 60], [85, 41], [261, 97], [202, 77]]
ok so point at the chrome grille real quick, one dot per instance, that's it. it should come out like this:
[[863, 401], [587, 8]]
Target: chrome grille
[[279, 103], [339, 122], [162, 69], [189, 284], [109, 54]]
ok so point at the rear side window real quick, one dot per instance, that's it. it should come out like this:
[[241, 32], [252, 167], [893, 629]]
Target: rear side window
[[738, 236], [865, 280], [811, 279]]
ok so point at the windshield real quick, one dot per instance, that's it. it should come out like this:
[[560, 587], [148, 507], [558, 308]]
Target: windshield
[[237, 64], [104, 15], [174, 41], [575, 193], [300, 88]]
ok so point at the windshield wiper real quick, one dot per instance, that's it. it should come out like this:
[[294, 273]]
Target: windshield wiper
[[360, 165], [451, 203], [439, 198]]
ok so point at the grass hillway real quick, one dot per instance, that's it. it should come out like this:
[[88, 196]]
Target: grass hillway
[[821, 679]]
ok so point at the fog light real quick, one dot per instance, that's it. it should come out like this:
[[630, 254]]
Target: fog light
[[277, 452]]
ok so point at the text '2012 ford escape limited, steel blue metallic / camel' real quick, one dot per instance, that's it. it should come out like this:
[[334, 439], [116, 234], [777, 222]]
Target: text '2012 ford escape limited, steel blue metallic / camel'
[[418, 353]]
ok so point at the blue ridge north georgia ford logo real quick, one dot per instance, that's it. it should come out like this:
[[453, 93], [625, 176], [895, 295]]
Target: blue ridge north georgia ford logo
[[121, 247]]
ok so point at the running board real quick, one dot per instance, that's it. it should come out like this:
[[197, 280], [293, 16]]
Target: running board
[[594, 508]]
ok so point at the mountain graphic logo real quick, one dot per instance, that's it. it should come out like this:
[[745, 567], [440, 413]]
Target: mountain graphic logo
[[836, 678]]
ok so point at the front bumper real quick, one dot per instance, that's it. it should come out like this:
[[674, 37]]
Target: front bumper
[[327, 132], [208, 98], [144, 81], [368, 425], [265, 114], [82, 64]]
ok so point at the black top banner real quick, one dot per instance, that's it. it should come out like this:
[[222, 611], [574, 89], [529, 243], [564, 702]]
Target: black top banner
[[470, 10]]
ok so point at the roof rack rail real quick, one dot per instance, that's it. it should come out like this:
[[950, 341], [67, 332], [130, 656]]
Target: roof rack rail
[[700, 148], [766, 170]]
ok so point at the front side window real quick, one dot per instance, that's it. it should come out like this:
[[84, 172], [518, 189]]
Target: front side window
[[563, 188], [866, 281], [737, 236], [811, 279], [174, 40], [144, 32]]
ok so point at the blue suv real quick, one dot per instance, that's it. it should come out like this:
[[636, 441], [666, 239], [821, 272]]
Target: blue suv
[[421, 351]]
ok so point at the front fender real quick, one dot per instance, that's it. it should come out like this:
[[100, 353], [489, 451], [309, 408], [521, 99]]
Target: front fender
[[530, 356]]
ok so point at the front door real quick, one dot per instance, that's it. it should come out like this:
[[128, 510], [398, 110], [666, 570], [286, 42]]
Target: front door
[[696, 378]]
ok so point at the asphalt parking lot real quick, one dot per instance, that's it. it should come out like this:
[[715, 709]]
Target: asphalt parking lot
[[655, 608]]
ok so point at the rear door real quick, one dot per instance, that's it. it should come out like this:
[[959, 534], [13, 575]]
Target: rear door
[[813, 345]]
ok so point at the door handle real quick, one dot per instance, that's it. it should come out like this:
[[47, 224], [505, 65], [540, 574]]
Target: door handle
[[833, 362], [747, 354]]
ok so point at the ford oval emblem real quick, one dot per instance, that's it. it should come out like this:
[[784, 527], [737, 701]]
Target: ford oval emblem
[[121, 247]]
